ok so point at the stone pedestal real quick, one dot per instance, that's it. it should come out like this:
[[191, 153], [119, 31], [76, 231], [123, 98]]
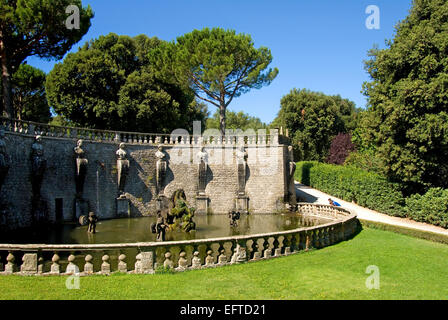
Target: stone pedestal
[[29, 265], [123, 210], [242, 204], [147, 262], [81, 208], [201, 204]]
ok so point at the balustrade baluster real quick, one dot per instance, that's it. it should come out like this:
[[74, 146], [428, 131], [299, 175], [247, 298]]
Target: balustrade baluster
[[40, 265], [308, 241], [71, 267], [105, 266], [168, 263], [196, 260], [138, 264], [293, 244], [209, 260], [255, 255], [286, 250], [267, 252], [88, 266], [55, 267], [10, 265], [222, 258], [122, 265], [277, 251], [182, 262]]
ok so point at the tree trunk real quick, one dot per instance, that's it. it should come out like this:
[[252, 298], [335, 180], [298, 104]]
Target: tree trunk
[[222, 119], [6, 81]]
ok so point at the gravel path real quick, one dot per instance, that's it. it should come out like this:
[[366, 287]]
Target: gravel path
[[308, 194]]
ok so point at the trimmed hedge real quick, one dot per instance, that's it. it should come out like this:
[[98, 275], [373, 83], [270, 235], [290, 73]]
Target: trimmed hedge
[[432, 207], [350, 183]]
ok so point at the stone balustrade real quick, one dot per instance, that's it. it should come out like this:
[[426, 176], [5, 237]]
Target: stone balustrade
[[36, 259], [34, 128]]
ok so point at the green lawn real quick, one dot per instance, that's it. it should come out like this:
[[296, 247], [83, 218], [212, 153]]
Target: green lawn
[[410, 268]]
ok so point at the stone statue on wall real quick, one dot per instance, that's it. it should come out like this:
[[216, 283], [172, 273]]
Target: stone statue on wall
[[123, 168], [81, 168], [161, 166], [38, 165], [4, 159], [291, 185], [202, 170], [241, 158]]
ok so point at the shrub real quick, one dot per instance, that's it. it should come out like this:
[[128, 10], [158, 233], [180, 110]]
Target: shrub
[[432, 207], [367, 189], [366, 160], [340, 148]]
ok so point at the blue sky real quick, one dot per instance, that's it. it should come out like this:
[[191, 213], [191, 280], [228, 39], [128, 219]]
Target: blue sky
[[319, 45]]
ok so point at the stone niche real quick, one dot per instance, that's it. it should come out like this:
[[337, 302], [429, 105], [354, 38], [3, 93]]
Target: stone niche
[[123, 209], [242, 203], [82, 208], [202, 202]]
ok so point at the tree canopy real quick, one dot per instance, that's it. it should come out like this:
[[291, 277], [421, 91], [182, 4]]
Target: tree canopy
[[313, 119], [236, 120], [35, 28], [219, 65], [110, 84], [407, 117], [28, 92]]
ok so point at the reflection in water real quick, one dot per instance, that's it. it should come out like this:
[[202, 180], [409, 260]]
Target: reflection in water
[[138, 229]]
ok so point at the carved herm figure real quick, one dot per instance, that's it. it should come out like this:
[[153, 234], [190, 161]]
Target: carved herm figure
[[202, 170], [241, 156], [161, 167], [4, 158], [81, 168], [123, 168], [38, 166], [291, 186]]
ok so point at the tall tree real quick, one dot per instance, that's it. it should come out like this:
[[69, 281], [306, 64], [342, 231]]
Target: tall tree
[[35, 28], [313, 119], [407, 118], [110, 84], [29, 98], [219, 65], [235, 120]]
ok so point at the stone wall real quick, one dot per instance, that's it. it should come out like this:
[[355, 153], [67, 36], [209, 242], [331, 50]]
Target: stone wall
[[266, 177]]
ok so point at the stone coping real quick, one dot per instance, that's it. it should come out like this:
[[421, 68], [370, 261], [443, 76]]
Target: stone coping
[[262, 137]]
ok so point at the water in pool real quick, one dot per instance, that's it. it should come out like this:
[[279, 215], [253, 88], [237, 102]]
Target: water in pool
[[138, 229]]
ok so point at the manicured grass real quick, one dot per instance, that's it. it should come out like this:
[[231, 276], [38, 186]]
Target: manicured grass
[[410, 268]]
